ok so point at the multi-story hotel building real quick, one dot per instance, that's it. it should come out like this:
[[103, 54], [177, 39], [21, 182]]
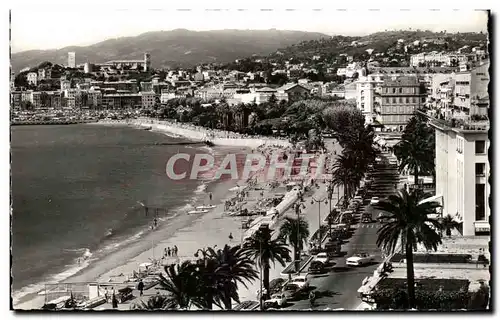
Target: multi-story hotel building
[[397, 102], [462, 171]]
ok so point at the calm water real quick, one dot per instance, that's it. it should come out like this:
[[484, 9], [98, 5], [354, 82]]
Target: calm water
[[75, 191]]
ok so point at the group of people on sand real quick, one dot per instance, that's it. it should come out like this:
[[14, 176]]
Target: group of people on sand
[[171, 252]]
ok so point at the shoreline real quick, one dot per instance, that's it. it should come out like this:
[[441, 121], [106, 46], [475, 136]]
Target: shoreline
[[195, 133], [172, 232]]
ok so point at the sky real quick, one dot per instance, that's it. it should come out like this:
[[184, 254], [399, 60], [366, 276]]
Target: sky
[[51, 27]]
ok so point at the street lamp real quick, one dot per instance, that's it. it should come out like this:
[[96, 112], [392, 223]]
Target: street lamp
[[313, 200], [297, 207]]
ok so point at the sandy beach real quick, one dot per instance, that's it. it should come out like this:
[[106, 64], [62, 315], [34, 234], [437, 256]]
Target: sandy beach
[[185, 231]]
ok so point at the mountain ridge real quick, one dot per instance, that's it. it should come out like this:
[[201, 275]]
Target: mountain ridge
[[178, 47]]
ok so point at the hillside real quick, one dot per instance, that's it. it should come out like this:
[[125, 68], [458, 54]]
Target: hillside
[[380, 42], [178, 47]]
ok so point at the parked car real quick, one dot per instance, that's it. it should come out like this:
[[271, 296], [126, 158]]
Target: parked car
[[301, 281], [384, 216], [375, 200], [277, 300], [322, 257], [290, 291], [317, 267], [360, 259], [358, 199]]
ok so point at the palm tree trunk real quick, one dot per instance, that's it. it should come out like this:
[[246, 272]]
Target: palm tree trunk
[[266, 280], [227, 298], [296, 254], [410, 276]]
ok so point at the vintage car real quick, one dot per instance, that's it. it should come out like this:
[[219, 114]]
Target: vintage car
[[360, 259]]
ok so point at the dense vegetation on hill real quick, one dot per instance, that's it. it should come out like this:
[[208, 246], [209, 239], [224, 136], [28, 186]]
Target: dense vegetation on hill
[[381, 42]]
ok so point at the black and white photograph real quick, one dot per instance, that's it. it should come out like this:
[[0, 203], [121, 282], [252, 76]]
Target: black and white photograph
[[260, 160]]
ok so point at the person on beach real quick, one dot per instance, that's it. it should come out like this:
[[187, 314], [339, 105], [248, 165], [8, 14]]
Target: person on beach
[[140, 287], [175, 250], [155, 222], [165, 252], [169, 251], [230, 236], [210, 196]]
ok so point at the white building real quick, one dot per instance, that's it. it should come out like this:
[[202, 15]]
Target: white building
[[366, 88], [65, 84], [462, 171], [32, 78], [71, 59]]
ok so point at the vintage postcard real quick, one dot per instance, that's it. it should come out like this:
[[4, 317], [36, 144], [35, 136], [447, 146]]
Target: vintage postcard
[[250, 160]]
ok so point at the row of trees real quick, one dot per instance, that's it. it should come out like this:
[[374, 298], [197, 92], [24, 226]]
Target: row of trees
[[358, 150]]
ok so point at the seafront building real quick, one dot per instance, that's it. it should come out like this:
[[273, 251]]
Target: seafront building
[[462, 173], [397, 102]]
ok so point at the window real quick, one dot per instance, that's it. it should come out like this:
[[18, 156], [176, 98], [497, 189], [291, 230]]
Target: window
[[400, 100], [400, 90], [393, 100], [393, 90], [480, 170], [423, 99], [407, 100], [480, 146], [480, 212]]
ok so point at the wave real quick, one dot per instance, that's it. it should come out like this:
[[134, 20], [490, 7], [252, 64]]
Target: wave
[[201, 188], [80, 263]]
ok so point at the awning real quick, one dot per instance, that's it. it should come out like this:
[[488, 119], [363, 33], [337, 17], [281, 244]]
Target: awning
[[482, 226], [436, 198]]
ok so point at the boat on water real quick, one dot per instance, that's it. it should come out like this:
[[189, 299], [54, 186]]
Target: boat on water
[[197, 211], [205, 207], [148, 128]]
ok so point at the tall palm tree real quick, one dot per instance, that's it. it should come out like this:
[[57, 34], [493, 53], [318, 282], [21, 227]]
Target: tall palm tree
[[448, 224], [265, 250], [156, 302], [181, 285], [296, 232], [233, 265], [409, 224]]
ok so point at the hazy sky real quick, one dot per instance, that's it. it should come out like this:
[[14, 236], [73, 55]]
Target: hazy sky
[[50, 28]]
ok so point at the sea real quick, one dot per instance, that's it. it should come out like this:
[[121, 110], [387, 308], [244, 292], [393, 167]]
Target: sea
[[79, 192]]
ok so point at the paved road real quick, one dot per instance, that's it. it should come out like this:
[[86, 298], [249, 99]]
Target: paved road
[[338, 288]]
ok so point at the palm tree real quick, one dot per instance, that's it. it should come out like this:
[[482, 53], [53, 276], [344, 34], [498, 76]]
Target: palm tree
[[347, 171], [414, 157], [156, 302], [415, 151], [296, 232], [233, 265], [448, 224], [265, 250], [181, 284], [409, 224]]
